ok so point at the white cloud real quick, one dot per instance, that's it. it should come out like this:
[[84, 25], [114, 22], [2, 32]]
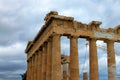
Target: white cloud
[[12, 50], [21, 20]]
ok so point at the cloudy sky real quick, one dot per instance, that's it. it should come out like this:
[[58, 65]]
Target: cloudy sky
[[20, 20]]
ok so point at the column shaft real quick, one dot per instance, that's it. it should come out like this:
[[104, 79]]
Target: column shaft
[[64, 75], [30, 73], [44, 63], [74, 65], [93, 60], [37, 68], [85, 76], [36, 55], [111, 61], [33, 67], [49, 60], [65, 71], [56, 58], [28, 70], [39, 74]]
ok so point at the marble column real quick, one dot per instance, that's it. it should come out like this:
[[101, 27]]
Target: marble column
[[30, 73], [85, 76], [32, 68], [36, 61], [65, 71], [111, 60], [64, 75], [28, 70], [56, 57], [39, 73], [74, 64], [33, 64], [49, 60], [35, 67], [44, 62], [94, 75]]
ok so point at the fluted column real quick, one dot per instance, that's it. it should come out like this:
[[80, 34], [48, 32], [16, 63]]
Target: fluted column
[[111, 60], [39, 73], [93, 60], [49, 60], [28, 70], [69, 71], [65, 71], [56, 58], [85, 76], [31, 77], [32, 68], [44, 62], [30, 73], [74, 64], [64, 75], [33, 64], [36, 62], [35, 67], [43, 65]]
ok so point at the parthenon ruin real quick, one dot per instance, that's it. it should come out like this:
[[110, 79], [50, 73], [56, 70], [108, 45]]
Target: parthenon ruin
[[44, 59]]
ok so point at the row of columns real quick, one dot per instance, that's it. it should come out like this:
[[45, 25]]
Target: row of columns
[[111, 63], [45, 64]]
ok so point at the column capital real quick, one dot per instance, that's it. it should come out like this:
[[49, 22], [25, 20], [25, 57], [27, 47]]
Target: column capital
[[73, 37], [49, 39], [30, 58], [54, 34], [91, 39], [33, 56], [45, 44], [40, 48], [36, 52], [109, 41]]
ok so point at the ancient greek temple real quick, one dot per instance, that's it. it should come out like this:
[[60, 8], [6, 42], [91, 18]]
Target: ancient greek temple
[[44, 59]]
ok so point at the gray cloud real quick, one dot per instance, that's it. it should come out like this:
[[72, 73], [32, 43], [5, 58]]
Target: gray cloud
[[11, 70], [11, 66], [20, 21], [13, 62]]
